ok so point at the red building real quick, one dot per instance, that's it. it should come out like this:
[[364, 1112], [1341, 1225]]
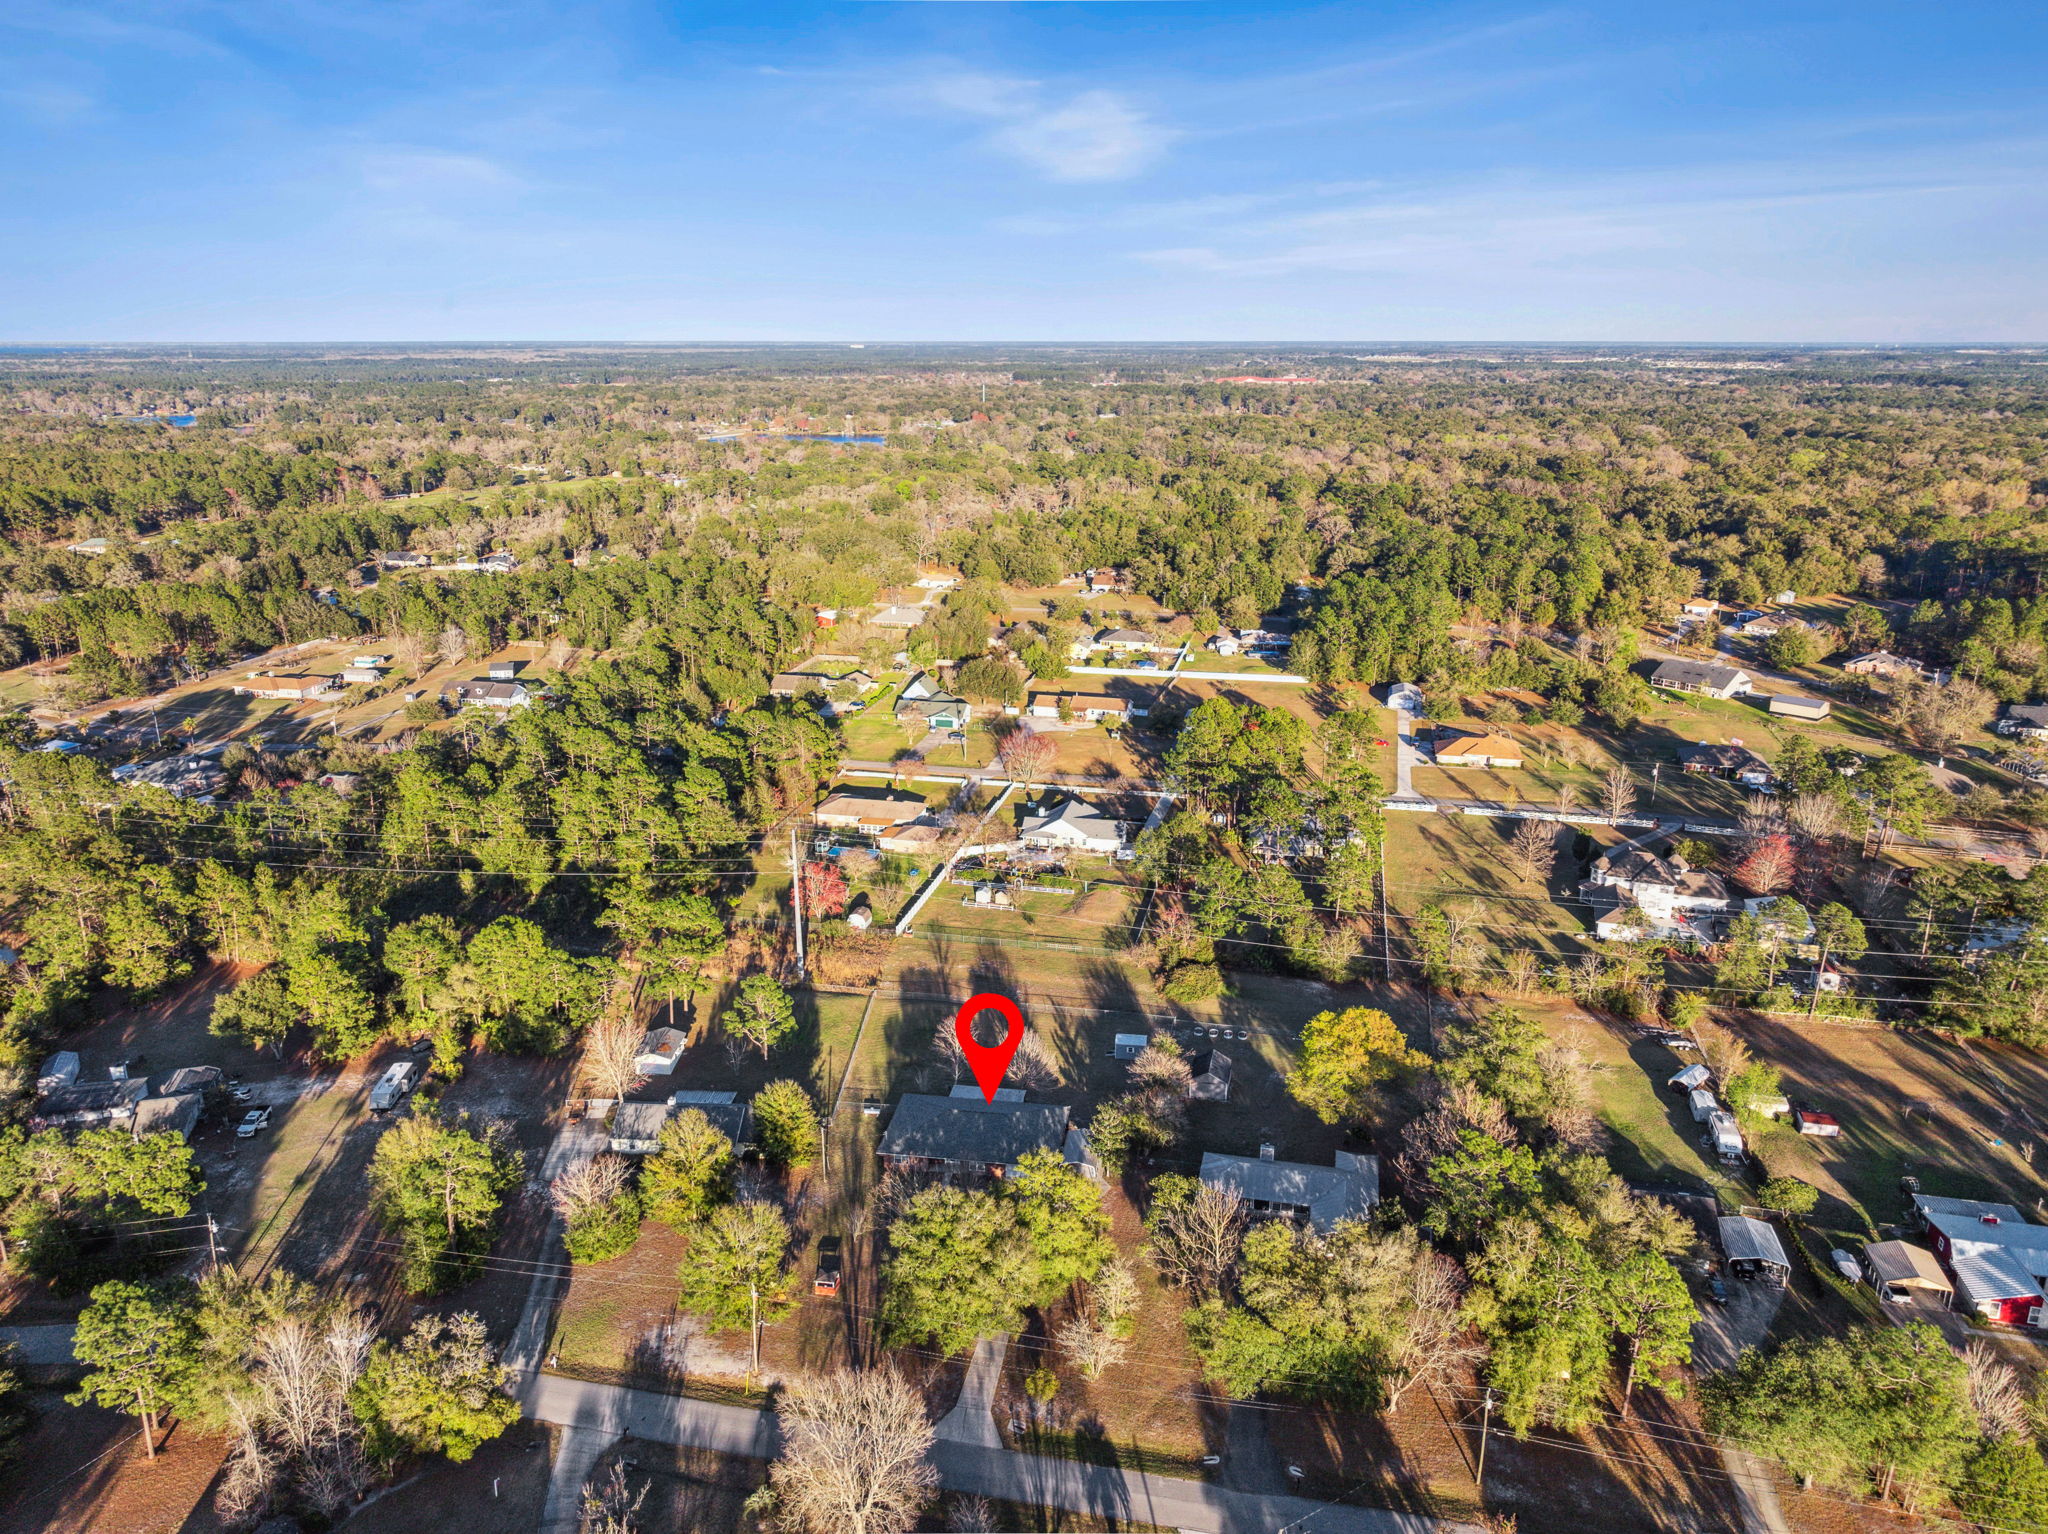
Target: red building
[[1999, 1262]]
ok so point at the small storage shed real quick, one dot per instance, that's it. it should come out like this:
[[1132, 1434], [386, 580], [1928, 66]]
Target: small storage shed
[[1821, 1125], [1753, 1248], [1690, 1079], [1900, 1270], [1130, 1045], [1211, 1071], [1704, 1106]]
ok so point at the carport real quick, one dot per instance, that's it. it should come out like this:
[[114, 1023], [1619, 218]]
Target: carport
[[1902, 1271], [1753, 1248]]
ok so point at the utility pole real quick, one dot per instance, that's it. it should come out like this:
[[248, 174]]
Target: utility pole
[[1386, 931], [1485, 1425], [796, 896], [754, 1308], [212, 1246]]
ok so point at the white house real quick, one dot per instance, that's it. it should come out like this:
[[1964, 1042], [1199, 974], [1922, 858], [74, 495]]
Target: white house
[[659, 1050], [1072, 825], [1637, 894]]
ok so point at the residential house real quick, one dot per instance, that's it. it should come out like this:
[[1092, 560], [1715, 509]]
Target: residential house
[[297, 689], [1790, 705], [1223, 642], [1462, 749], [2028, 719], [1790, 922], [177, 1114], [636, 1128], [1405, 696], [722, 1110], [1124, 641], [914, 838], [1885, 664], [88, 1104], [1319, 1195], [921, 686], [1701, 677], [1211, 1070], [361, 676], [91, 546], [402, 560], [791, 684], [1753, 1248], [1764, 625], [967, 1091], [1637, 894], [967, 1136], [1738, 763], [1701, 608], [500, 563], [894, 617], [477, 692], [659, 1050], [1096, 582], [1999, 1262], [1071, 825], [868, 809], [198, 778], [1094, 707], [938, 711]]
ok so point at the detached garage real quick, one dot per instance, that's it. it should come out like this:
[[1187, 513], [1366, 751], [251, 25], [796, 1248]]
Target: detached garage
[[1900, 1270]]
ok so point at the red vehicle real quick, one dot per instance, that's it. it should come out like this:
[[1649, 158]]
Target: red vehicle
[[826, 1279]]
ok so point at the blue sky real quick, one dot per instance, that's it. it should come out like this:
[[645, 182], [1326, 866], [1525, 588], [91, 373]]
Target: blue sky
[[1089, 170]]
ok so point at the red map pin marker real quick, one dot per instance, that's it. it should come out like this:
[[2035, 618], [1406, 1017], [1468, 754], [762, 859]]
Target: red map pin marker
[[988, 1061]]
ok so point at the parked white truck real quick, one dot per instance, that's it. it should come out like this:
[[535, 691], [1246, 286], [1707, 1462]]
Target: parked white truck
[[393, 1086]]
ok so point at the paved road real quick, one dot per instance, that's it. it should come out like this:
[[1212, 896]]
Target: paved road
[[593, 1410], [41, 1345]]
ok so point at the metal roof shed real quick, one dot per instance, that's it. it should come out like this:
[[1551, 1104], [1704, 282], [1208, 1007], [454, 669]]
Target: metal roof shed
[[1691, 1077], [1751, 1245]]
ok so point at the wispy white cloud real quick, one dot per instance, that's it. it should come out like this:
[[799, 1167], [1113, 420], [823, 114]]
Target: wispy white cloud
[[1500, 228], [46, 103], [433, 173], [1089, 135]]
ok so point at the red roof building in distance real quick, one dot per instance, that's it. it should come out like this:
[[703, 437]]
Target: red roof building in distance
[[1249, 379]]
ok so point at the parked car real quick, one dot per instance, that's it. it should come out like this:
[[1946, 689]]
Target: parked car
[[255, 1120], [830, 1264], [1717, 1290], [1846, 1265]]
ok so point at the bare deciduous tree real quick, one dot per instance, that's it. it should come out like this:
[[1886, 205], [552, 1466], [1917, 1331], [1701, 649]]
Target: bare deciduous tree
[[1436, 1343], [1617, 792], [1937, 715], [1520, 971], [854, 1452], [589, 1184], [1816, 817], [1995, 1394], [609, 1507], [1723, 1052], [971, 1515], [1195, 1244], [610, 1046], [1568, 1086], [1532, 848], [293, 1427], [1098, 1336]]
